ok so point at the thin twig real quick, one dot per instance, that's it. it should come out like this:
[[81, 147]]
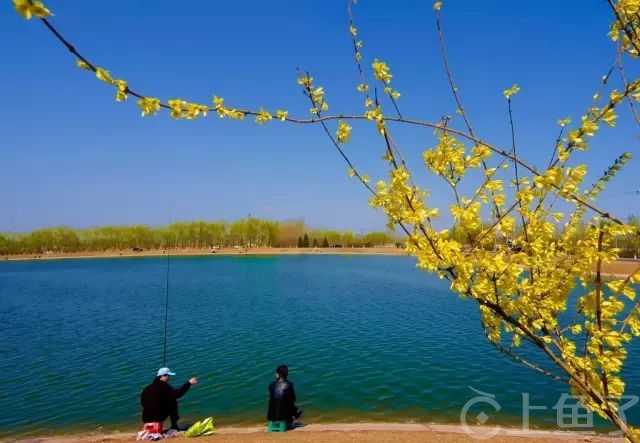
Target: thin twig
[[527, 363], [603, 374], [626, 83], [456, 96]]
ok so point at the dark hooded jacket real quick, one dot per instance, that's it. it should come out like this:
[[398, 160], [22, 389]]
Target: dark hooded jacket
[[282, 399], [159, 400]]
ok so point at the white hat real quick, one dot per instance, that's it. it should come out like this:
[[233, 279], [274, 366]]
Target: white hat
[[164, 371]]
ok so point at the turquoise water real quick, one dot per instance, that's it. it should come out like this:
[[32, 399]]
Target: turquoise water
[[366, 338]]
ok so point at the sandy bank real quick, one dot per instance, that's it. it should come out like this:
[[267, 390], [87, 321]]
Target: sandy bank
[[207, 252], [353, 432]]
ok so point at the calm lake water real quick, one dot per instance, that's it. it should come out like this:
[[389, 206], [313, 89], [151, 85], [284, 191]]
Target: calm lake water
[[365, 338]]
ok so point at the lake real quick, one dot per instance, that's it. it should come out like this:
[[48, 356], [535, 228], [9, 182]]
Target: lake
[[366, 338]]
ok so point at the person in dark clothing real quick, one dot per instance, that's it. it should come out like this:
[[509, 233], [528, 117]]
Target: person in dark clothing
[[159, 400], [282, 399]]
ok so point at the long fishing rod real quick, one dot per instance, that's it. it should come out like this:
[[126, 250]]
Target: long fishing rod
[[166, 309]]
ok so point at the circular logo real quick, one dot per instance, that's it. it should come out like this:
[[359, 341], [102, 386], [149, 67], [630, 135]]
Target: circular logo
[[479, 431]]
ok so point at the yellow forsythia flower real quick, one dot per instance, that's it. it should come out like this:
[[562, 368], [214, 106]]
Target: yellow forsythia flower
[[149, 105], [217, 102], [121, 93], [263, 117], [344, 132], [373, 114], [609, 117], [511, 91], [317, 95], [629, 7], [82, 65], [381, 71], [28, 9], [305, 81], [104, 75], [235, 114], [616, 97]]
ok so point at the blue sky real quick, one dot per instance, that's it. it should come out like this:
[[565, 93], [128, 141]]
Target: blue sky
[[71, 155]]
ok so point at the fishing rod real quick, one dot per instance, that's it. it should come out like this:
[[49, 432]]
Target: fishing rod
[[166, 307]]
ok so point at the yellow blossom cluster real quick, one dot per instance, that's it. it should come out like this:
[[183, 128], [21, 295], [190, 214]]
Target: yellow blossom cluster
[[508, 93], [28, 9], [625, 28], [315, 94], [183, 109], [448, 158], [344, 132]]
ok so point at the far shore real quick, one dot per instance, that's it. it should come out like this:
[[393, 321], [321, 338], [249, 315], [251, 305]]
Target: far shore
[[180, 252], [620, 268], [355, 432]]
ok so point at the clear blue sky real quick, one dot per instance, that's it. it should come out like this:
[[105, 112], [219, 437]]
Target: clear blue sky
[[71, 155]]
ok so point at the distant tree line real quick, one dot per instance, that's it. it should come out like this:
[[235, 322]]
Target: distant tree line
[[246, 233]]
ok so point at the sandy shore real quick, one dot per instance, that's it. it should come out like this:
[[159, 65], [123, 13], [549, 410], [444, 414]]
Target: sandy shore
[[202, 252], [354, 432]]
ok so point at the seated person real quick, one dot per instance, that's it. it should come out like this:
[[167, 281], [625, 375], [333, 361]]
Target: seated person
[[282, 398], [159, 400]]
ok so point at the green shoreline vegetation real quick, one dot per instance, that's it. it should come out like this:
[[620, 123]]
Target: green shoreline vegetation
[[250, 232]]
